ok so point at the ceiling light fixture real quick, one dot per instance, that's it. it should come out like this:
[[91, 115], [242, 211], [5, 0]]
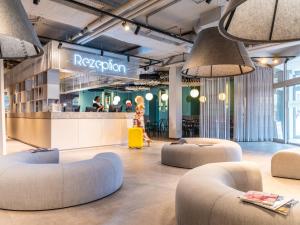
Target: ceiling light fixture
[[125, 26], [194, 93], [222, 96], [117, 98], [261, 21], [215, 56], [149, 96], [17, 36], [164, 97], [202, 99]]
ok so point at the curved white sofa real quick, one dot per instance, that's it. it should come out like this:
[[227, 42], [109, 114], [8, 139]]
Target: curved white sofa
[[286, 164], [191, 155], [35, 181], [208, 195]]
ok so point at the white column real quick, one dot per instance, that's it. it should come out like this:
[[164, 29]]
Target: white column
[[2, 111], [175, 103]]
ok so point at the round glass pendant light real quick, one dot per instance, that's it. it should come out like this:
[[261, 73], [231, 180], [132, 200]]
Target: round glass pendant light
[[261, 20], [202, 99], [149, 96], [215, 56], [222, 96], [164, 97], [194, 93], [115, 102], [117, 98], [18, 39]]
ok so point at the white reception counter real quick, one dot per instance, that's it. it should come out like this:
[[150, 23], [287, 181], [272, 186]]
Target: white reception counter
[[69, 130]]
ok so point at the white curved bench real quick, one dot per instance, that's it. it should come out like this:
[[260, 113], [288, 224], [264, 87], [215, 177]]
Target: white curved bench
[[286, 164], [191, 155], [208, 195], [35, 181]]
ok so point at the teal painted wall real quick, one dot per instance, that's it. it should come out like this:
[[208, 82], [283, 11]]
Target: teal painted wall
[[190, 106]]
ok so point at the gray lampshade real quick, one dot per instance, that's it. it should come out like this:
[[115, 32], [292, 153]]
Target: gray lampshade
[[215, 56], [261, 20], [17, 37]]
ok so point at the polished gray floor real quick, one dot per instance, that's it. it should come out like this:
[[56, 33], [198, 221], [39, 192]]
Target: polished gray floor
[[147, 196]]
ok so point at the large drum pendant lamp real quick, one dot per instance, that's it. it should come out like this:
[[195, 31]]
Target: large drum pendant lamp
[[17, 37], [261, 20], [215, 56], [17, 41]]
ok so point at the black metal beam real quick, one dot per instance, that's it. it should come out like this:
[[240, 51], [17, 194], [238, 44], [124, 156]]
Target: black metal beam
[[154, 61], [100, 12]]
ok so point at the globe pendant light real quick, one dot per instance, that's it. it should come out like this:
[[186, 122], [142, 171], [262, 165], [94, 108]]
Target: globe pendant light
[[164, 97], [194, 93], [149, 96], [117, 99], [261, 20], [215, 56], [17, 37]]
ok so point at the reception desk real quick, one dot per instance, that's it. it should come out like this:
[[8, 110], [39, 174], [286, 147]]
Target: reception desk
[[69, 130]]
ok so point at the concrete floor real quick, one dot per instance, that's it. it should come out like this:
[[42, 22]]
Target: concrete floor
[[147, 196]]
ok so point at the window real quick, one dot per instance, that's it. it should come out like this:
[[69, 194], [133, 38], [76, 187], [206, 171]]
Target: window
[[293, 68], [294, 114], [278, 73], [279, 114]]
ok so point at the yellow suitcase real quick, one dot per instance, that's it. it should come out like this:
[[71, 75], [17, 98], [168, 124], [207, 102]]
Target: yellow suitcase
[[135, 137]]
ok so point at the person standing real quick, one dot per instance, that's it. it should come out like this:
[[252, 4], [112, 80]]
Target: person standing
[[97, 105], [139, 117]]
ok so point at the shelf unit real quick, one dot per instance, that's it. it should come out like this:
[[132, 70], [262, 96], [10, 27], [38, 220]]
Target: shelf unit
[[35, 94]]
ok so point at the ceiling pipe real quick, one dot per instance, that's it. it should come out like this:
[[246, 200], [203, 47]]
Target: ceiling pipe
[[100, 21], [113, 22], [175, 36]]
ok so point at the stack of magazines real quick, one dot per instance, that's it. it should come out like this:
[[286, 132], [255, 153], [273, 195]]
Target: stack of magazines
[[272, 202]]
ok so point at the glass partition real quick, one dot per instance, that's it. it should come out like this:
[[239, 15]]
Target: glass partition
[[293, 68]]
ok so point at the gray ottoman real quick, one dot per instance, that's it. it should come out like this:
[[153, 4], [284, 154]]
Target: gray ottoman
[[286, 164], [208, 195], [200, 151], [36, 181]]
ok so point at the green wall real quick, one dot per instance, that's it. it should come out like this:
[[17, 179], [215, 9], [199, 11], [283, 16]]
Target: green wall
[[190, 106]]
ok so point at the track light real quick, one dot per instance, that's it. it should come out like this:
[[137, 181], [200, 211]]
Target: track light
[[128, 58], [137, 30], [102, 53], [59, 45], [125, 26]]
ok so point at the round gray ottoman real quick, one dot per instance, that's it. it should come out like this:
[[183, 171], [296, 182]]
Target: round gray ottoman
[[286, 164], [36, 181], [200, 151], [208, 195]]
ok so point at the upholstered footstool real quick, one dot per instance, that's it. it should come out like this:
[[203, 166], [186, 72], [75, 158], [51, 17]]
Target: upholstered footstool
[[199, 151], [286, 164], [208, 195]]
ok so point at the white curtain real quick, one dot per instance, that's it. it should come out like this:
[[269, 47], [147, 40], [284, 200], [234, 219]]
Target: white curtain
[[214, 113], [253, 106]]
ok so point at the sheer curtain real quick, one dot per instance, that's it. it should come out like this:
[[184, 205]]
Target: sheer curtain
[[214, 113], [253, 106]]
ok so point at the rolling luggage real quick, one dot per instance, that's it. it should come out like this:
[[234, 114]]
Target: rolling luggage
[[135, 137]]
